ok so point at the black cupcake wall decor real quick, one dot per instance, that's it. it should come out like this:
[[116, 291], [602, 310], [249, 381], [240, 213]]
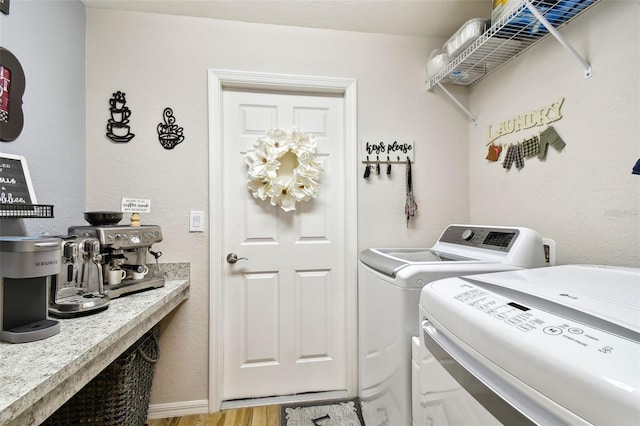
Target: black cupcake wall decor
[[169, 133]]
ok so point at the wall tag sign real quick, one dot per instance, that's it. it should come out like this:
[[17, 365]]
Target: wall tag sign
[[534, 118], [135, 205]]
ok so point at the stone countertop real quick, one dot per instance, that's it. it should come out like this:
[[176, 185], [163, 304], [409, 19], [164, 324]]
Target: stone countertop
[[38, 377]]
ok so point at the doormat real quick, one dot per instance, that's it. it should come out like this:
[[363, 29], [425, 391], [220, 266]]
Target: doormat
[[342, 412]]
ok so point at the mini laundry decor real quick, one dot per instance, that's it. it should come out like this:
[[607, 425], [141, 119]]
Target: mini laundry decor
[[550, 137], [345, 412], [494, 152], [284, 168], [534, 146], [169, 133]]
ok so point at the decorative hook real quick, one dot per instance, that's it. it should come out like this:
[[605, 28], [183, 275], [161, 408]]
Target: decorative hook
[[367, 172]]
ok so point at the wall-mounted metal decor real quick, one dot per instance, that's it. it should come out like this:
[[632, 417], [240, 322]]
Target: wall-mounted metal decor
[[12, 84], [4, 6], [169, 133], [118, 129]]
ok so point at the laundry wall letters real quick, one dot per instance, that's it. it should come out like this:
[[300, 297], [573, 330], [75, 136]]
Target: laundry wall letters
[[537, 117]]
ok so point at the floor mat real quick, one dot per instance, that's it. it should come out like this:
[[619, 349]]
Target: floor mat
[[343, 412]]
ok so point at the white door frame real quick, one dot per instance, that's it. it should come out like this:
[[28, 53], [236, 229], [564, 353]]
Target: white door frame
[[218, 81]]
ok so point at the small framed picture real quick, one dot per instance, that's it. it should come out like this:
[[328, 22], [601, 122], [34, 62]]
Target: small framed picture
[[4, 6]]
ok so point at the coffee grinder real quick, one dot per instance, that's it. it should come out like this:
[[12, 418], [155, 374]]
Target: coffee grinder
[[78, 289], [27, 266]]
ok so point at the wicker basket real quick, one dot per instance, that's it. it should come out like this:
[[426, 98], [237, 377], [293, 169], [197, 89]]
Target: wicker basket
[[119, 395]]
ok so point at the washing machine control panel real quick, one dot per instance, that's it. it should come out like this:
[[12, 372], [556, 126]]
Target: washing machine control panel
[[500, 239]]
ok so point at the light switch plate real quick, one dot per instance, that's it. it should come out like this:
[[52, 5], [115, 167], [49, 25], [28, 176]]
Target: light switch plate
[[196, 221]]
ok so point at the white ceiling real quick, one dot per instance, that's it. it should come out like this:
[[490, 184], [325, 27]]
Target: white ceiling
[[426, 18]]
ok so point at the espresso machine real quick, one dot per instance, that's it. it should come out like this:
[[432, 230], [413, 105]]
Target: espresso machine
[[124, 248], [79, 287], [27, 266]]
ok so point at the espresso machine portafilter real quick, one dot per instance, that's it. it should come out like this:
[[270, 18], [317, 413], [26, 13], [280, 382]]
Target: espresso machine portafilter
[[79, 288]]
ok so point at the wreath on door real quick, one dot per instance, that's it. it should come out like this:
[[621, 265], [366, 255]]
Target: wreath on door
[[284, 168]]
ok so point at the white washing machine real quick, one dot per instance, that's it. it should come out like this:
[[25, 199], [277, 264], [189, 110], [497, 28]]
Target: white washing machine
[[389, 283], [548, 346]]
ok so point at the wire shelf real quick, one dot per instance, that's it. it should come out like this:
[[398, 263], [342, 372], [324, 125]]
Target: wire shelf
[[26, 211], [512, 34]]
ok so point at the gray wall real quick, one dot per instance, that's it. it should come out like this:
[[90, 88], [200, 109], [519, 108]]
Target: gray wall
[[48, 38]]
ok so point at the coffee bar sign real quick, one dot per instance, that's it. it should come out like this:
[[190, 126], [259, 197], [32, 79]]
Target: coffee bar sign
[[15, 181], [135, 205]]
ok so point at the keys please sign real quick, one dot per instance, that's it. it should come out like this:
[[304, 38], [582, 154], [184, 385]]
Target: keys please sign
[[386, 151]]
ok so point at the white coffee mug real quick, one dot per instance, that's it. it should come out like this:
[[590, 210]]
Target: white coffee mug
[[115, 276], [140, 275]]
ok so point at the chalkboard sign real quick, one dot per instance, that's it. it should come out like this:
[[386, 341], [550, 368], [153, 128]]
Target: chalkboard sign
[[15, 182]]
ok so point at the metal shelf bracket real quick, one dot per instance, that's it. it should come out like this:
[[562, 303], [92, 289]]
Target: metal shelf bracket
[[457, 102], [540, 17]]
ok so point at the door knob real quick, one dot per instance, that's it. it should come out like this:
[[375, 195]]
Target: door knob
[[233, 258]]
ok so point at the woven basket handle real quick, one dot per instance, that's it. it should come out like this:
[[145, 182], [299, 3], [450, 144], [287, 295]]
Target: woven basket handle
[[147, 357]]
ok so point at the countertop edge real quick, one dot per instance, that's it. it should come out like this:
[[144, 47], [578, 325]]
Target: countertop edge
[[34, 407]]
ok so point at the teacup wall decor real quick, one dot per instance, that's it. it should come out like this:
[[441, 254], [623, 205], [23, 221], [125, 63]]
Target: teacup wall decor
[[118, 129], [169, 133]]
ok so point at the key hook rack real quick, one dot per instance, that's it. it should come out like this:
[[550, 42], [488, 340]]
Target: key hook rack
[[376, 154]]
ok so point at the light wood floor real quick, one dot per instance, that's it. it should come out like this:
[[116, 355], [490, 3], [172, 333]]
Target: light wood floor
[[268, 415]]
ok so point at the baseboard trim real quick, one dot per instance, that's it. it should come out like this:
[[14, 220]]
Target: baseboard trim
[[178, 409]]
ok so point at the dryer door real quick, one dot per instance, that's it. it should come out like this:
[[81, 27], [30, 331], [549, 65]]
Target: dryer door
[[455, 389]]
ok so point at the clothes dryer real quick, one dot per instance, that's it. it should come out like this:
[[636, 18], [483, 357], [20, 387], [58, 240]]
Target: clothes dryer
[[547, 346], [390, 282]]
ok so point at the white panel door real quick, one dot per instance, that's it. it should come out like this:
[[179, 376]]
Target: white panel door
[[284, 306]]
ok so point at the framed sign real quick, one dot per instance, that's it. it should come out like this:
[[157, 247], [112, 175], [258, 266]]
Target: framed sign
[[11, 90], [15, 181], [4, 6]]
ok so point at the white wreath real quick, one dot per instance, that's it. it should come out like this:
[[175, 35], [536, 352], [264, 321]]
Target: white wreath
[[283, 167]]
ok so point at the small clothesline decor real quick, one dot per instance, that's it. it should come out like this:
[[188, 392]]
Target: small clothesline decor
[[534, 146], [283, 167]]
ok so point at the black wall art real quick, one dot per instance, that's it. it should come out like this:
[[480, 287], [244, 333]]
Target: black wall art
[[118, 129], [4, 6], [169, 133], [12, 84]]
